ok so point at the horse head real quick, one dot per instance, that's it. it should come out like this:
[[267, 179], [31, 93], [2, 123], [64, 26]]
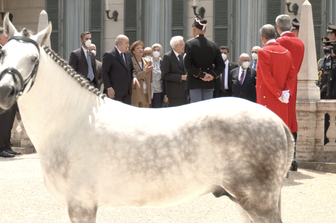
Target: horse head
[[19, 62]]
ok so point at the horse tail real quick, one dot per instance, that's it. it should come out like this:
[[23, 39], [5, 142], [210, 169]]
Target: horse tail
[[290, 146]]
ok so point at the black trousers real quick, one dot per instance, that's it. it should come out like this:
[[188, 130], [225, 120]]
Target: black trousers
[[6, 125], [157, 100], [125, 99]]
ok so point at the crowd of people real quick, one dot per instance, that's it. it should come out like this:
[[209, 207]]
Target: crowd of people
[[198, 70]]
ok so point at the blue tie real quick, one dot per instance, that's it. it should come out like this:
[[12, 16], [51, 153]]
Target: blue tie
[[254, 64], [181, 60], [90, 73]]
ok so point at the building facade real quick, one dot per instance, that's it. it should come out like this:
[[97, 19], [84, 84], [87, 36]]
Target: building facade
[[234, 23]]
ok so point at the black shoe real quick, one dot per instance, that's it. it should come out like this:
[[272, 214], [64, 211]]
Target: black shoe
[[6, 155], [294, 166], [11, 151]]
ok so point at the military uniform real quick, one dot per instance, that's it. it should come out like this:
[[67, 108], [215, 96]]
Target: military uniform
[[202, 56], [326, 74]]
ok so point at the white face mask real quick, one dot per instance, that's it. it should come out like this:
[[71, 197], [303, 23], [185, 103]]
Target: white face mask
[[156, 54], [255, 56], [246, 64], [94, 52], [88, 43], [224, 56], [148, 57]]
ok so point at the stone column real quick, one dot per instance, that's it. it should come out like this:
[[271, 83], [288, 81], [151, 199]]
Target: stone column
[[307, 89], [308, 93]]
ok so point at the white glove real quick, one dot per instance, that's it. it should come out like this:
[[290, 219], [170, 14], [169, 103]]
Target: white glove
[[285, 96]]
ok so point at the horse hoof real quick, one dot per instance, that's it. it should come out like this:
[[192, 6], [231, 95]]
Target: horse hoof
[[294, 166]]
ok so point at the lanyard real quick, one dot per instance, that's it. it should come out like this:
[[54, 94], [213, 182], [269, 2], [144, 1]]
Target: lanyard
[[141, 68]]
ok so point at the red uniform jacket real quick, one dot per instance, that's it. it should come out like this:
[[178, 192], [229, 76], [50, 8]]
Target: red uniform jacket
[[275, 73], [296, 48]]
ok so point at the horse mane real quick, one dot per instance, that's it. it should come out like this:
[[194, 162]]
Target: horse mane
[[82, 81], [25, 32]]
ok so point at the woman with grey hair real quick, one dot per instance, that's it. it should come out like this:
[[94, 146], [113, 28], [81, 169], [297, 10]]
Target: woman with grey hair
[[158, 84]]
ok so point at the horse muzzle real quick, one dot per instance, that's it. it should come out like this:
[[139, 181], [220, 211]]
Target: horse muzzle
[[9, 89]]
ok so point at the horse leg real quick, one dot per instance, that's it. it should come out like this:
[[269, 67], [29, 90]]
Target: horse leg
[[82, 212], [260, 214], [246, 218]]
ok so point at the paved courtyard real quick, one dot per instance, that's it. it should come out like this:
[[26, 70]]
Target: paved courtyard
[[307, 197]]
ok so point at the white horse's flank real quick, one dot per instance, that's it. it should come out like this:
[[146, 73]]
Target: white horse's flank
[[96, 151]]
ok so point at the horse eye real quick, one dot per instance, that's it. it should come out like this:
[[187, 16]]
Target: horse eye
[[34, 59]]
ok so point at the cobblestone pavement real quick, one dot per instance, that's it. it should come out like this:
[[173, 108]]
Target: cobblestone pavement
[[307, 197]]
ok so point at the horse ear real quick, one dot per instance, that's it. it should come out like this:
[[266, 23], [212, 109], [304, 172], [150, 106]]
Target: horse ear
[[8, 26], [43, 36]]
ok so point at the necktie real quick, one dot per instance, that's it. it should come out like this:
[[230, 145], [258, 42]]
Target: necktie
[[254, 64], [90, 71], [241, 78], [123, 57], [181, 60]]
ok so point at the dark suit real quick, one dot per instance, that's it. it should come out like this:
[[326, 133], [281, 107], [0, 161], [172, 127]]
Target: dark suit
[[79, 63], [6, 125], [218, 92], [118, 75], [202, 55], [176, 89], [248, 89]]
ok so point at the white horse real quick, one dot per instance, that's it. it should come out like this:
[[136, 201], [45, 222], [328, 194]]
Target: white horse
[[96, 151]]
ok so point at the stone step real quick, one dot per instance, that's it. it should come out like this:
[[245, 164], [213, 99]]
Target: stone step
[[24, 150], [329, 167]]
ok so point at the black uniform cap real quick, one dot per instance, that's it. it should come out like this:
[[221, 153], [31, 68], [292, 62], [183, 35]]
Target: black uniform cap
[[331, 28], [295, 23], [200, 23]]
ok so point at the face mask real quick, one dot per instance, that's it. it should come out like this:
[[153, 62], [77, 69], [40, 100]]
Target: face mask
[[156, 54], [246, 64], [148, 57], [224, 56], [255, 56], [94, 52], [88, 43]]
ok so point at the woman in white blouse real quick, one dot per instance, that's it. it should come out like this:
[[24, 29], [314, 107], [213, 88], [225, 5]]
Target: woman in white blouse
[[158, 84]]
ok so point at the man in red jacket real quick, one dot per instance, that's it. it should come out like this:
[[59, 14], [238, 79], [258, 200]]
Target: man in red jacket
[[296, 47], [276, 74]]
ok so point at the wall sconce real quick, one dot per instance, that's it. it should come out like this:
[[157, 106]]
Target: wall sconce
[[295, 8], [114, 13]]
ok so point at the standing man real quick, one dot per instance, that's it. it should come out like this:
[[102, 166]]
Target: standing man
[[83, 61], [295, 27], [7, 118], [148, 53], [203, 62], [243, 79], [222, 87], [254, 55], [117, 71], [296, 47], [276, 74], [174, 73]]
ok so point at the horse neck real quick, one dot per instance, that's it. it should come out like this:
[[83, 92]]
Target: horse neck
[[54, 100]]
